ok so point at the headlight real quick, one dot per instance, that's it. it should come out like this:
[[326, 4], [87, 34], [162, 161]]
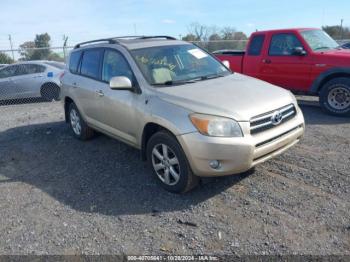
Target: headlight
[[293, 97], [216, 126]]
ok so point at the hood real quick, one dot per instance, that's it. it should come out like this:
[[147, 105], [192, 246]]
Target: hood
[[343, 54], [235, 96]]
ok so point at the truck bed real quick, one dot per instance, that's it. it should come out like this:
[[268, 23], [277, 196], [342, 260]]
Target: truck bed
[[235, 58]]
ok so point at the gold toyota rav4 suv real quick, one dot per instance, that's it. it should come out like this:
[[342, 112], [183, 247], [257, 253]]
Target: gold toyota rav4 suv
[[187, 112]]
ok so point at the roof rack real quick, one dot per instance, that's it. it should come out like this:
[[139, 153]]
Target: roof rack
[[109, 40], [145, 37], [159, 36], [114, 40]]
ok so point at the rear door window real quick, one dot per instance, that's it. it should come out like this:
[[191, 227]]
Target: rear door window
[[90, 64], [30, 69], [74, 61], [256, 45]]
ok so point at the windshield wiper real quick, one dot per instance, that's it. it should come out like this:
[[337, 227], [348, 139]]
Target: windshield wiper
[[189, 81], [174, 82], [212, 76]]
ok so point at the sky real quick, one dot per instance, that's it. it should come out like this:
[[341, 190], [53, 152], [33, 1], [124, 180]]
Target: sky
[[84, 20]]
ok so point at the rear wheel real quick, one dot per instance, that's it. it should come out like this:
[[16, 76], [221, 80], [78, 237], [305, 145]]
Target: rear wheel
[[335, 96], [78, 126], [170, 164], [50, 91]]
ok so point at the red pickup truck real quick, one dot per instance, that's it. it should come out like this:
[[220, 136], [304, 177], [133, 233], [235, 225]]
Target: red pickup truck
[[304, 60]]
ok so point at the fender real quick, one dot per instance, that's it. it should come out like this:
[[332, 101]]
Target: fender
[[323, 77]]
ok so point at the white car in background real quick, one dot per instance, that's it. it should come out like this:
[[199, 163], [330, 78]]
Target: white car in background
[[32, 79], [3, 65]]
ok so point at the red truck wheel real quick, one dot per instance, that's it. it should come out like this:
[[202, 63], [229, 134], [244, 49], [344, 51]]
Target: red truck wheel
[[335, 96]]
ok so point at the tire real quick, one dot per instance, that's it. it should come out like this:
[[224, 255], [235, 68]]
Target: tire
[[335, 96], [175, 161], [78, 126], [50, 91]]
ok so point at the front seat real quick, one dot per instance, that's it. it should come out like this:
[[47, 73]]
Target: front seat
[[162, 75]]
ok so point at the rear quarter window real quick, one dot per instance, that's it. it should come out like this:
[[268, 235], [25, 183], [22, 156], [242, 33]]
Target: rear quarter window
[[74, 61], [256, 45]]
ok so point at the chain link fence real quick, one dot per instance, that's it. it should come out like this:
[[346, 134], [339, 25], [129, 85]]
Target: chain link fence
[[60, 54], [34, 76]]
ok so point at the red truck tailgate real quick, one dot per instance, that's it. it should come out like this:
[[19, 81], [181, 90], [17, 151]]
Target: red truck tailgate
[[236, 60]]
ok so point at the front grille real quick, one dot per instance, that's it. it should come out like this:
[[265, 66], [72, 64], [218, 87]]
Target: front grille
[[264, 122]]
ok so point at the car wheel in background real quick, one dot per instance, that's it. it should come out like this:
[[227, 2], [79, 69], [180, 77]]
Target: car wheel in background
[[50, 91], [78, 126], [335, 96], [169, 163]]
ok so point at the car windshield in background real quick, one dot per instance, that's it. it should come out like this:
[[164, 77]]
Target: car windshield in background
[[177, 64], [319, 40], [55, 64]]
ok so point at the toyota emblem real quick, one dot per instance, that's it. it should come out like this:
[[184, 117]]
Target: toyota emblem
[[276, 118]]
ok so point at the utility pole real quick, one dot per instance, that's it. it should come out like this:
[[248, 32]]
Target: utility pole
[[135, 31], [341, 29], [13, 55], [65, 40]]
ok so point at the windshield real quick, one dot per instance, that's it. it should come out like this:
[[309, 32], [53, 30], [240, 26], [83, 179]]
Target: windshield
[[319, 40], [177, 64]]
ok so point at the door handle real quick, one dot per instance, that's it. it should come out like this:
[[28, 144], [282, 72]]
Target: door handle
[[266, 61], [100, 93]]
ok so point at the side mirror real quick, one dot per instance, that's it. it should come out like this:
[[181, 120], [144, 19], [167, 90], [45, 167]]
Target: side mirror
[[299, 51], [120, 82], [226, 63]]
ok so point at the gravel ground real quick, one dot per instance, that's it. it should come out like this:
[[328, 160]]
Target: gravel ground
[[59, 195]]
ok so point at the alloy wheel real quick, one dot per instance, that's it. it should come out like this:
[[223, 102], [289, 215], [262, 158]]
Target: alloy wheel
[[75, 122], [166, 164]]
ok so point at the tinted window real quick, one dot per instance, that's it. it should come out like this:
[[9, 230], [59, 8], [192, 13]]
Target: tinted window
[[74, 61], [29, 69], [114, 64], [90, 64], [256, 45], [8, 71], [283, 44]]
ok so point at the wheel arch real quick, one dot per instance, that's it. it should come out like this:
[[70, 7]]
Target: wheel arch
[[148, 131], [327, 76], [67, 102], [49, 83]]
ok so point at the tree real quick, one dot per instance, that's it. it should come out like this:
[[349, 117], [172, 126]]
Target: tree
[[337, 32], [228, 33], [201, 32], [41, 41], [26, 50], [190, 38], [5, 59], [215, 42]]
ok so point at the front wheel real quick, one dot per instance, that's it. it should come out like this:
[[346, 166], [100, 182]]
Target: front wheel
[[170, 164], [335, 96]]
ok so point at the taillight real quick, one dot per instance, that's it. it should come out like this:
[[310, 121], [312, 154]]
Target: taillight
[[61, 76]]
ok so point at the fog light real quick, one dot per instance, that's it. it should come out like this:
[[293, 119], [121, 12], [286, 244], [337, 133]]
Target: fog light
[[214, 164]]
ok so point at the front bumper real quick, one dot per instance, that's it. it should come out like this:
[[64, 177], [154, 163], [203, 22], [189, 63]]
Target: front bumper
[[239, 154]]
